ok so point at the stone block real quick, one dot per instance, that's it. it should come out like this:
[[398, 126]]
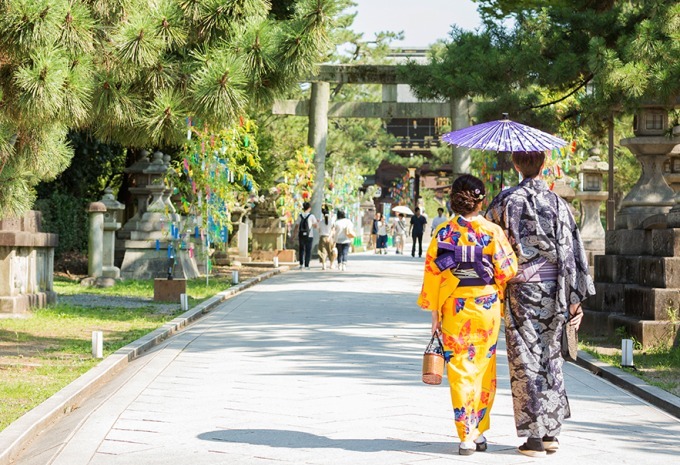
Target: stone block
[[650, 303], [168, 290], [263, 255], [11, 224], [151, 263], [595, 323], [665, 242], [629, 269], [608, 298], [648, 333], [24, 302], [606, 268], [663, 272], [627, 242], [611, 242]]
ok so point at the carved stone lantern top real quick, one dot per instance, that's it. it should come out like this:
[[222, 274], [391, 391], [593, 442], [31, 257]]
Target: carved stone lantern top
[[591, 174], [110, 201], [113, 207], [594, 164], [651, 119], [157, 165]]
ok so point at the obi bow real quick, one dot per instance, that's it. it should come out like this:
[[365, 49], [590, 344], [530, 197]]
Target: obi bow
[[469, 263]]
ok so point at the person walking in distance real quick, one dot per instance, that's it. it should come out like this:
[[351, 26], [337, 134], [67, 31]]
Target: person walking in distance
[[467, 264], [327, 250], [304, 228], [417, 228], [381, 243], [344, 233], [373, 242], [546, 294], [439, 219], [399, 232]]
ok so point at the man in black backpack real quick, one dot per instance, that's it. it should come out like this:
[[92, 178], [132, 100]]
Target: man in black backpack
[[304, 228]]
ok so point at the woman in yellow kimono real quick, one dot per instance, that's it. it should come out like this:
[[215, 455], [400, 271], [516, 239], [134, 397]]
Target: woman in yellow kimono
[[467, 265]]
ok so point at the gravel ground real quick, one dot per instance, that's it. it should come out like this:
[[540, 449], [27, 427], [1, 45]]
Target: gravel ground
[[105, 301]]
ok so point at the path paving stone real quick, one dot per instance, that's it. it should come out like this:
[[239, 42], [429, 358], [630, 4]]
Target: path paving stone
[[323, 367]]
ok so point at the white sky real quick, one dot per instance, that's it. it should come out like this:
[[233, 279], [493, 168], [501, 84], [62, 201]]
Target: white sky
[[423, 21]]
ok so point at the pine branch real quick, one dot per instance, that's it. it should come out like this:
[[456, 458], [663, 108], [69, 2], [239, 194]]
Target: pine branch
[[572, 92]]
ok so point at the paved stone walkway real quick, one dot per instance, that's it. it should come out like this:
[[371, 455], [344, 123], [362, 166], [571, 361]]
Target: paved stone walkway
[[314, 367]]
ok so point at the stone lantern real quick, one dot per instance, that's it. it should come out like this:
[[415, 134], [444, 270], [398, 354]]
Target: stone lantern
[[591, 196], [636, 278], [651, 195], [155, 237], [112, 223]]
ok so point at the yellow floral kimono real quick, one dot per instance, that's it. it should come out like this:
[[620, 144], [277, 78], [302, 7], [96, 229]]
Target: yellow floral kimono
[[470, 316]]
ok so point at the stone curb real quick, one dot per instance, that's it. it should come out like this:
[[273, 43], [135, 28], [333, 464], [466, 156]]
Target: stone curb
[[18, 434], [652, 394]]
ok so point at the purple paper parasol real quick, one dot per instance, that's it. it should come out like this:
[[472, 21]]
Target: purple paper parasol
[[503, 136]]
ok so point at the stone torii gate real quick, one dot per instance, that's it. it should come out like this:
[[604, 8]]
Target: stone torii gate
[[319, 109]]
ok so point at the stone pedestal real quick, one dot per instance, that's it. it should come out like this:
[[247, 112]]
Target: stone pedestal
[[638, 286], [26, 264], [95, 243], [591, 197], [268, 233], [111, 225], [592, 231]]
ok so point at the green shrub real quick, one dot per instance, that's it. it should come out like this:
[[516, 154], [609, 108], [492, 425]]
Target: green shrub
[[65, 215]]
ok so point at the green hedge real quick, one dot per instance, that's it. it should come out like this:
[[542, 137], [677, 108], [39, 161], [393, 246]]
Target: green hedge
[[66, 215]]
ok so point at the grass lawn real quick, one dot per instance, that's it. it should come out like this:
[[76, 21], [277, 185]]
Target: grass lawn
[[658, 366], [44, 352]]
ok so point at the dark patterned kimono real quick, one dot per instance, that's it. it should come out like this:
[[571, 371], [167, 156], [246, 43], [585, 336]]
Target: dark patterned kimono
[[540, 226]]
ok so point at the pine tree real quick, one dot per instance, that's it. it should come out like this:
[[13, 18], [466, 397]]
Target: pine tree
[[46, 71], [590, 57], [134, 71]]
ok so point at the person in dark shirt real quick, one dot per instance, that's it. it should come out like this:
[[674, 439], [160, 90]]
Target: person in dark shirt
[[417, 227]]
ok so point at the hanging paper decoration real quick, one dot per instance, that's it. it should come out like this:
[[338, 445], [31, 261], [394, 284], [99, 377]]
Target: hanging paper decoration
[[297, 185], [204, 176]]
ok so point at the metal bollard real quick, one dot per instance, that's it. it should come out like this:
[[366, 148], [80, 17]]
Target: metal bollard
[[627, 353], [234, 277], [184, 302], [276, 262], [97, 344]]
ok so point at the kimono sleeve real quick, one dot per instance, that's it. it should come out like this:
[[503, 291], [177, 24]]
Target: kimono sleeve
[[503, 258], [579, 282]]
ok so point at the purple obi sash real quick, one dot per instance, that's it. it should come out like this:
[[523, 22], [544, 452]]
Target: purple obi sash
[[535, 271], [467, 263]]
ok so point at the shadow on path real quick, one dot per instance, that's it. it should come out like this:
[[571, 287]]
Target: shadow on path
[[302, 440]]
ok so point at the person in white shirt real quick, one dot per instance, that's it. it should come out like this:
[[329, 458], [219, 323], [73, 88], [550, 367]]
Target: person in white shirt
[[344, 233], [381, 243], [439, 219], [327, 250], [399, 229], [304, 229]]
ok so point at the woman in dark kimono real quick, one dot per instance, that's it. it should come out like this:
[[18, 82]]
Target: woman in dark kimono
[[550, 285]]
